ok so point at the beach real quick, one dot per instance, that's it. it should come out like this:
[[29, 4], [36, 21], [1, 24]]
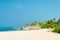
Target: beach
[[29, 35]]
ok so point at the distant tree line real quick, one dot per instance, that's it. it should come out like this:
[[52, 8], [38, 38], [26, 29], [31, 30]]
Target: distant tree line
[[52, 23]]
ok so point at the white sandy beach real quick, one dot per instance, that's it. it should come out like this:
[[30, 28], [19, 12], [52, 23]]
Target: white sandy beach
[[29, 35]]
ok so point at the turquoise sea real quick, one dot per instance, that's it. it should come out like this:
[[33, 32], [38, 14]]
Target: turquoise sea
[[8, 29]]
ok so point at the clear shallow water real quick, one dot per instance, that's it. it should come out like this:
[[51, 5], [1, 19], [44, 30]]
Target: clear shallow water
[[8, 29]]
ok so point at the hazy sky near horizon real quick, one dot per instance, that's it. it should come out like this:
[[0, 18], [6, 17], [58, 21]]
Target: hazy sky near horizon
[[20, 12]]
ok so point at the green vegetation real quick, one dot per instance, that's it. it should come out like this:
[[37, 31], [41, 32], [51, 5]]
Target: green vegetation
[[33, 24], [40, 23], [57, 29], [53, 23]]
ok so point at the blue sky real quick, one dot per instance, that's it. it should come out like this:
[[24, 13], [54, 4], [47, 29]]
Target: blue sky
[[20, 12]]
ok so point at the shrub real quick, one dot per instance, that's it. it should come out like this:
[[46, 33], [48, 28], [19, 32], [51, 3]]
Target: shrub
[[40, 23], [46, 26], [57, 29], [33, 24]]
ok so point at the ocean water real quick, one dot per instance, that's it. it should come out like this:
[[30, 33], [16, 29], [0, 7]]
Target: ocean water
[[7, 29]]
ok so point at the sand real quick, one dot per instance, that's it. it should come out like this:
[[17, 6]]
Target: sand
[[29, 35]]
